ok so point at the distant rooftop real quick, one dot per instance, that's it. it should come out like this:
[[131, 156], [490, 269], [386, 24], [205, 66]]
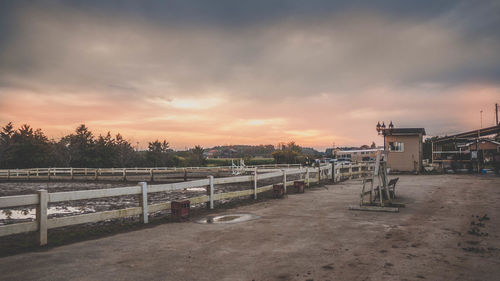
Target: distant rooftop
[[471, 134], [406, 131]]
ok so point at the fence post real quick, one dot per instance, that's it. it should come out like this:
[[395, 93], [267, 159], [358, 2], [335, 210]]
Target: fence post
[[144, 201], [48, 174], [124, 174], [333, 172], [284, 180], [95, 174], [41, 216], [8, 174], [350, 171], [28, 174], [319, 173], [211, 196], [185, 174], [71, 173], [307, 177], [151, 175], [255, 183]]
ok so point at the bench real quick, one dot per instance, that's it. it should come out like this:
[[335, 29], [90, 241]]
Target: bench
[[392, 187]]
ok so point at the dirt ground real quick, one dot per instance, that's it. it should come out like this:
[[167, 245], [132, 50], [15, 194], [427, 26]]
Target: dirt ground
[[449, 230], [69, 208]]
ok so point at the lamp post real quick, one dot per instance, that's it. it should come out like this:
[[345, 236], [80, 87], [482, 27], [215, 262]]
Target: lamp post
[[382, 130]]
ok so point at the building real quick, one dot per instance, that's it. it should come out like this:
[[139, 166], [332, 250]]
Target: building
[[405, 146], [357, 155], [471, 151]]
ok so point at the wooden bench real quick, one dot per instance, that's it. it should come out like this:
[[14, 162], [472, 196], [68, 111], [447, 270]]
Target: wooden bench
[[392, 187]]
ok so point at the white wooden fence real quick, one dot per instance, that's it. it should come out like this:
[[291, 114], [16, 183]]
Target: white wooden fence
[[43, 198], [124, 174]]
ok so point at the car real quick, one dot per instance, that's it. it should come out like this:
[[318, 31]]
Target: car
[[344, 161]]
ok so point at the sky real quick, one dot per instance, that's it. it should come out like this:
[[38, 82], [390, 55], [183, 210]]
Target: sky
[[208, 73]]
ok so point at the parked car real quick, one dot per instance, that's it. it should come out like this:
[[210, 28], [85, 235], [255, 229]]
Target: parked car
[[344, 161]]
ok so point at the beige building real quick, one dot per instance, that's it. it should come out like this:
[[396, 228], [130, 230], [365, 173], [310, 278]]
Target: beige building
[[356, 155], [405, 149]]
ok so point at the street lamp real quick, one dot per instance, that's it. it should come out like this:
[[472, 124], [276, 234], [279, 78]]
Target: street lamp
[[381, 129]]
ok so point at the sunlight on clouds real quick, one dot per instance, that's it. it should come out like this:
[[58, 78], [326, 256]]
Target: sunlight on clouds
[[264, 122], [199, 103], [304, 133]]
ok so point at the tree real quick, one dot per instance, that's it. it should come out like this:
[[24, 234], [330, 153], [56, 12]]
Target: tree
[[196, 157], [5, 141], [25, 147], [105, 151], [289, 153], [125, 154], [158, 155], [81, 147]]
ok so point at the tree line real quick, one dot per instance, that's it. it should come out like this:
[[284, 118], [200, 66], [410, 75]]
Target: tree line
[[27, 147]]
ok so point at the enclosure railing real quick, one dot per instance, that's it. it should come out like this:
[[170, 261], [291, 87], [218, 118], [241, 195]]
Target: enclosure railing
[[123, 174], [43, 198]]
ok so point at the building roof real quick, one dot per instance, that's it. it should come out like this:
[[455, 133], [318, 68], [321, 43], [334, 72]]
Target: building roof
[[405, 131], [360, 150], [471, 134], [478, 141]]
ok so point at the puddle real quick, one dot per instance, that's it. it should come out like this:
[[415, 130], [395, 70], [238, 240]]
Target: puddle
[[231, 218], [30, 213], [196, 189]]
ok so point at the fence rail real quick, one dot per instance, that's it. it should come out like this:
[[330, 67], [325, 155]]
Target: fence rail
[[126, 174], [43, 198]]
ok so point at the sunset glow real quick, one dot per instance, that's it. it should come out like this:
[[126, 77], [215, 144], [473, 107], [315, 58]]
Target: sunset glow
[[321, 77]]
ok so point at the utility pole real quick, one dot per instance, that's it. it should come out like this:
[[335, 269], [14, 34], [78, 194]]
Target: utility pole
[[481, 114], [496, 113]]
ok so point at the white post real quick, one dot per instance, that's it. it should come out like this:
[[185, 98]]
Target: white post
[[319, 173], [307, 176], [48, 173], [284, 180], [255, 183], [41, 216], [211, 182], [144, 201], [71, 173], [124, 174]]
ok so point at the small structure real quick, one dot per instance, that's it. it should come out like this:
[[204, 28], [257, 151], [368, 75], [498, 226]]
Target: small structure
[[405, 146], [180, 209], [468, 151], [278, 190]]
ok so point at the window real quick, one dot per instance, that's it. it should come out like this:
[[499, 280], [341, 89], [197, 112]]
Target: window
[[396, 146]]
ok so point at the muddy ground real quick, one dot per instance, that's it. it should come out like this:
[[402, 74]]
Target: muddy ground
[[69, 208], [449, 230]]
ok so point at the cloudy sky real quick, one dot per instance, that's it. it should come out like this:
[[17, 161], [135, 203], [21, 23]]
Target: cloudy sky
[[249, 72]]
